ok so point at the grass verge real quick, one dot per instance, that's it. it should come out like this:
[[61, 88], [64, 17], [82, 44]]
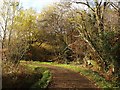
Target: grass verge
[[24, 76], [42, 82]]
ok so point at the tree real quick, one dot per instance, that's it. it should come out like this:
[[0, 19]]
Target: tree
[[96, 31], [18, 29], [7, 13], [24, 32], [54, 21]]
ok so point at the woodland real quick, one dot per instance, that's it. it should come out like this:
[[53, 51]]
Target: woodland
[[61, 33]]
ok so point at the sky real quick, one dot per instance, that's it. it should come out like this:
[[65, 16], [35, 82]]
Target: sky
[[36, 4]]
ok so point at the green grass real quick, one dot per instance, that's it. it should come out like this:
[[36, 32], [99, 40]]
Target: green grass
[[91, 75], [46, 76], [43, 82]]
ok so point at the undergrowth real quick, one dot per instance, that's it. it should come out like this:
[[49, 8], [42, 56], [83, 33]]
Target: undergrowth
[[24, 76]]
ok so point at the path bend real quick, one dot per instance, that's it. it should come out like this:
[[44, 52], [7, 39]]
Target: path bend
[[67, 79]]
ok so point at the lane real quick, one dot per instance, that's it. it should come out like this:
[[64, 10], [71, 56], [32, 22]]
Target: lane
[[64, 78]]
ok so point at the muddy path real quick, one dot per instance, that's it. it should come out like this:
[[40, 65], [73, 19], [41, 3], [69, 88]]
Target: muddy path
[[67, 79]]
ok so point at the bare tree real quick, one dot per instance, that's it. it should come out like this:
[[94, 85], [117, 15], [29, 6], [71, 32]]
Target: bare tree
[[7, 12]]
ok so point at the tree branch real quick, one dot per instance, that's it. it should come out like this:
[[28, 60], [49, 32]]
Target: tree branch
[[87, 4], [100, 3], [115, 6], [2, 27]]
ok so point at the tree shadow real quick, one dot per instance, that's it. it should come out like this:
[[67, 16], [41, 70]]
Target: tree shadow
[[20, 81]]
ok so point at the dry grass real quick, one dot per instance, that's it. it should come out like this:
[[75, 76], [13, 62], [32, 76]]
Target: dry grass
[[11, 68], [15, 76]]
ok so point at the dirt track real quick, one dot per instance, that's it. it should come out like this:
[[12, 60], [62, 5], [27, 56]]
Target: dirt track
[[64, 78]]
